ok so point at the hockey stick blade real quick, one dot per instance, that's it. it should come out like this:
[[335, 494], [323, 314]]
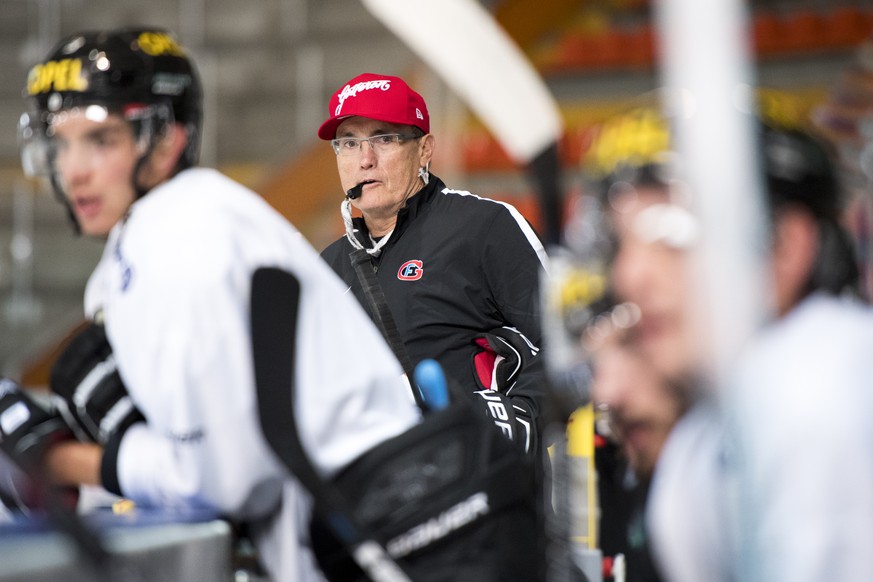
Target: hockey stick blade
[[274, 307]]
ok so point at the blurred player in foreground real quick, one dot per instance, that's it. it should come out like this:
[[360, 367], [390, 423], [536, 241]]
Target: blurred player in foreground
[[167, 416], [772, 479]]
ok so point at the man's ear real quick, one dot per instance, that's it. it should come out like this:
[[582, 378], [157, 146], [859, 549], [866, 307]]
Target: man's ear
[[425, 152], [795, 249]]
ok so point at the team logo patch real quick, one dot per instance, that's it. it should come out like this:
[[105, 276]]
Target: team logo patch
[[410, 271]]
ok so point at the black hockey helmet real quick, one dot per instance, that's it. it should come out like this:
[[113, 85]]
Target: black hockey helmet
[[140, 73]]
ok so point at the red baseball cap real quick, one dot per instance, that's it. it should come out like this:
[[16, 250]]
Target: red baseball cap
[[379, 97]]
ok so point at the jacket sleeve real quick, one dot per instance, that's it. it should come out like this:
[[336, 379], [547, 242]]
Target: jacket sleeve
[[515, 262]]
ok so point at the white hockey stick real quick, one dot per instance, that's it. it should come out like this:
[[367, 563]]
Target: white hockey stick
[[466, 47]]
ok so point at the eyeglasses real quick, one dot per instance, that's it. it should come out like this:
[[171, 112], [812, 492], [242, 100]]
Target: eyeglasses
[[346, 146]]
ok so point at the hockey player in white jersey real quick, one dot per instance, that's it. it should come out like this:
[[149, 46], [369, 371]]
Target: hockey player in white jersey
[[115, 122]]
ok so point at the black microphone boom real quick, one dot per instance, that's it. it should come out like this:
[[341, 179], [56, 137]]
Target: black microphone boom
[[355, 191]]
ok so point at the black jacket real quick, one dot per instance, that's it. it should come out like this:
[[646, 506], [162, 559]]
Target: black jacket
[[456, 266]]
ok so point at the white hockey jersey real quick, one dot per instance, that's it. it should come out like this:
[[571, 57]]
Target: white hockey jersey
[[174, 285]]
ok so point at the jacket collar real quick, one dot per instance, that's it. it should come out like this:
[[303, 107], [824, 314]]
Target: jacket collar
[[415, 204]]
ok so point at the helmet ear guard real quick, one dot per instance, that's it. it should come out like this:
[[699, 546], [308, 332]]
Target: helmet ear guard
[[149, 123], [33, 146], [835, 270]]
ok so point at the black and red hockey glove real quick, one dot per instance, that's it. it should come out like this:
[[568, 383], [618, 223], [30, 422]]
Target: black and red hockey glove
[[512, 416], [504, 353]]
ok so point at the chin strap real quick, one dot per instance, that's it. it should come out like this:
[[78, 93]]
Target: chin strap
[[376, 249]]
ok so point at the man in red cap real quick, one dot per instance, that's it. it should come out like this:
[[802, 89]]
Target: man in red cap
[[460, 273]]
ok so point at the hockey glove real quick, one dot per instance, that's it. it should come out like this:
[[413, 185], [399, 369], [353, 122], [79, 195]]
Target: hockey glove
[[27, 431], [26, 428], [511, 416], [505, 352], [89, 392], [15, 488], [450, 499]]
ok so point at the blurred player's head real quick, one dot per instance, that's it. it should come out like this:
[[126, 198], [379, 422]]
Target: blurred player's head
[[632, 164], [641, 406], [110, 115], [379, 128], [653, 228]]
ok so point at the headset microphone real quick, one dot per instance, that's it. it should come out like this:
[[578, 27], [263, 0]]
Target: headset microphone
[[355, 191]]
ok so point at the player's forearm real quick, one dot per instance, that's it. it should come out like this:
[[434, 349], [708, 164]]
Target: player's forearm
[[73, 463]]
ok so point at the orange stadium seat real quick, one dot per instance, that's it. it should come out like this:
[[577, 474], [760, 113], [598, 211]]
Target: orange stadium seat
[[804, 30], [767, 33], [847, 26]]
